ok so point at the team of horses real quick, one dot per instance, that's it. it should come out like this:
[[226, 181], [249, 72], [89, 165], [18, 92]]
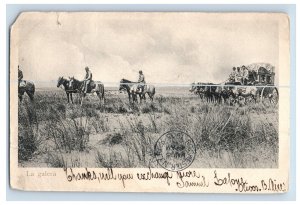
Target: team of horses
[[225, 93]]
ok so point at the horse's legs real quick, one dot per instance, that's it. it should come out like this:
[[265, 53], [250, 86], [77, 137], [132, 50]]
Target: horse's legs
[[142, 96], [20, 97], [68, 97], [71, 96], [30, 95], [135, 98], [129, 97], [99, 96], [81, 99], [150, 96]]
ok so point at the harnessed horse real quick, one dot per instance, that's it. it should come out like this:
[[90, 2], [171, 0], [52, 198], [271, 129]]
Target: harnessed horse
[[242, 93], [198, 89]]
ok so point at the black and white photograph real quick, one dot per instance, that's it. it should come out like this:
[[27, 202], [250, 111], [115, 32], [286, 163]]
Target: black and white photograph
[[157, 90]]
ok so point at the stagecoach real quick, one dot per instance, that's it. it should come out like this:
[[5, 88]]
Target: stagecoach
[[262, 76], [259, 87]]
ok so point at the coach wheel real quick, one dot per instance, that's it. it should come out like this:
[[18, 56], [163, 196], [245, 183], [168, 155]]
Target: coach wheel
[[269, 96]]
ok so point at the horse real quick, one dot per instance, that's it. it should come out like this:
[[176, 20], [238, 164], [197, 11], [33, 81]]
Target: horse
[[241, 93], [28, 87], [210, 92], [127, 86], [94, 86], [223, 92], [148, 89], [198, 89], [66, 83]]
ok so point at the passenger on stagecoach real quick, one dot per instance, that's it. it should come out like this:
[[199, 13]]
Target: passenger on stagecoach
[[20, 75], [245, 75], [232, 75], [141, 81], [238, 78], [87, 80]]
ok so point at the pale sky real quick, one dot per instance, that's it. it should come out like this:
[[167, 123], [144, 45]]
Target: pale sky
[[170, 48]]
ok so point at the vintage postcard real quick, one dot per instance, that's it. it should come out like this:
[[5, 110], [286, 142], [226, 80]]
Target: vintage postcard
[[150, 102]]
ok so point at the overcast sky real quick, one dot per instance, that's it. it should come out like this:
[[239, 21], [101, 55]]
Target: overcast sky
[[170, 48]]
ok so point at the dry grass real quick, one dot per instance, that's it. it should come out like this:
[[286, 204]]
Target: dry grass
[[121, 134]]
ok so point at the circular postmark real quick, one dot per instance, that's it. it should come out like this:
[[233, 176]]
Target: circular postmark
[[175, 150]]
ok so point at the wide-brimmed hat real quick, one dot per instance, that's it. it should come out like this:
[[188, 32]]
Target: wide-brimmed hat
[[140, 71]]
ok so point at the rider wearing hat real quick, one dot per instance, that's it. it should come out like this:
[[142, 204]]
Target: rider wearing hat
[[232, 75], [141, 81], [238, 78], [87, 79], [245, 75]]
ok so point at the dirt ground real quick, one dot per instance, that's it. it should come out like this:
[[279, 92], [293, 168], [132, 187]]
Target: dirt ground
[[121, 134]]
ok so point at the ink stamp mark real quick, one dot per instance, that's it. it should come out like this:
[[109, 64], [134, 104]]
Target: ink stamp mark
[[175, 150]]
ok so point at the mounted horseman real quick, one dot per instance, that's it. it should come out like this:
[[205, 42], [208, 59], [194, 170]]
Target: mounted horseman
[[139, 88], [87, 80], [87, 85], [141, 82], [24, 86]]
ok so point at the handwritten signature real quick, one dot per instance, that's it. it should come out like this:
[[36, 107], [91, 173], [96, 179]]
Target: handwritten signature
[[242, 185]]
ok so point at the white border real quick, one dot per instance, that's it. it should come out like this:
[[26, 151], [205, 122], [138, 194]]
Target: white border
[[3, 72]]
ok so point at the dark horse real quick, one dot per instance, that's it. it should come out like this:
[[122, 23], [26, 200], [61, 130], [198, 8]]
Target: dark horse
[[94, 86], [28, 87], [126, 86], [198, 89], [212, 92], [66, 83]]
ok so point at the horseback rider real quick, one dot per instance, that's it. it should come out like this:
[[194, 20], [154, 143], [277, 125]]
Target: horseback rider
[[141, 81], [245, 75], [87, 80], [20, 75]]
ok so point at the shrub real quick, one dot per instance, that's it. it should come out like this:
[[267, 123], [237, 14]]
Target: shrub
[[55, 160], [28, 136], [112, 139], [70, 134], [99, 122], [111, 160]]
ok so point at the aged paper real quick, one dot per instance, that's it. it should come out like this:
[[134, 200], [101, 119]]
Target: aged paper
[[150, 102]]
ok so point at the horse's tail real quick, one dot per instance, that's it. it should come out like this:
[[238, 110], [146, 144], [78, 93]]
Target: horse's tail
[[30, 90], [102, 91], [33, 88]]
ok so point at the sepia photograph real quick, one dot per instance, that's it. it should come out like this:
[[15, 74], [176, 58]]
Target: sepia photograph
[[157, 90]]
